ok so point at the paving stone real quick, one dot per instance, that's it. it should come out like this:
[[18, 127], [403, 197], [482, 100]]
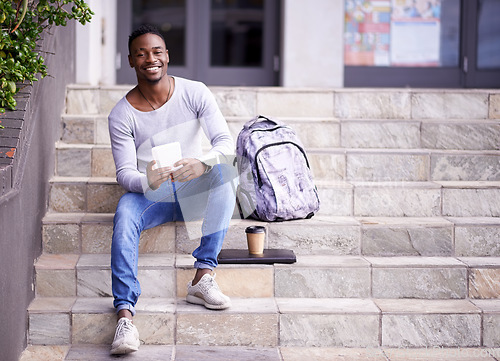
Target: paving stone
[[449, 105], [82, 101], [221, 353], [44, 353], [74, 162], [324, 277], [295, 103], [307, 131], [473, 199], [465, 167], [430, 323], [67, 197], [369, 104], [312, 236], [328, 166], [332, 354], [101, 353], [78, 129], [484, 283], [494, 112], [383, 236], [385, 167], [380, 134], [328, 323], [49, 329], [439, 354], [61, 238], [102, 163], [397, 199], [491, 323], [336, 198], [251, 322], [236, 102], [103, 198], [102, 131], [418, 277], [477, 237], [55, 275], [431, 330], [478, 135]]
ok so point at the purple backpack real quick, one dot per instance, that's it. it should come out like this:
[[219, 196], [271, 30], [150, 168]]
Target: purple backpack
[[275, 180]]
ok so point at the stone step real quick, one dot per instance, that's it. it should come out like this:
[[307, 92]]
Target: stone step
[[392, 104], [90, 233], [243, 353], [373, 165], [273, 322], [339, 198], [312, 276], [448, 134]]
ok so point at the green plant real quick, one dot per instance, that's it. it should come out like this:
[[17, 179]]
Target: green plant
[[22, 23]]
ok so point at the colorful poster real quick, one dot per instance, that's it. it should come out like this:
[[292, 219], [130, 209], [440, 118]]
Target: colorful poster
[[392, 32]]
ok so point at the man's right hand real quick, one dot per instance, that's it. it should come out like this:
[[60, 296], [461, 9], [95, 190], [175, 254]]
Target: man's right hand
[[156, 176]]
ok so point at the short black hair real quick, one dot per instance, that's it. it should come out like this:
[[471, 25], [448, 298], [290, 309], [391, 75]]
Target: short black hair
[[144, 29]]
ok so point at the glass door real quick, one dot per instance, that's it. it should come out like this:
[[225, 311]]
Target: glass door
[[219, 42]]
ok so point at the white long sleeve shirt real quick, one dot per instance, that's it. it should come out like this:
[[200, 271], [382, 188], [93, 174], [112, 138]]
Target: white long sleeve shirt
[[190, 112]]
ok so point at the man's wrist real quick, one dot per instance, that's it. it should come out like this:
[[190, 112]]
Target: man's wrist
[[208, 168]]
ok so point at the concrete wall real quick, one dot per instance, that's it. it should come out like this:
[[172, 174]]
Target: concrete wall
[[312, 43], [22, 209]]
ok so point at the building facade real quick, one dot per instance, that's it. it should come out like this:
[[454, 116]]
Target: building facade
[[290, 43]]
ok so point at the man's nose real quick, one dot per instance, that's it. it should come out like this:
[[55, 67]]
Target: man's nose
[[150, 57]]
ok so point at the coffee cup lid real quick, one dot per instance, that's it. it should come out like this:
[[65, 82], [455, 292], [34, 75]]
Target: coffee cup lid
[[255, 229]]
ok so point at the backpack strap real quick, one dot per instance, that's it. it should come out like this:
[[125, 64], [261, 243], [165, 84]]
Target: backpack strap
[[260, 118]]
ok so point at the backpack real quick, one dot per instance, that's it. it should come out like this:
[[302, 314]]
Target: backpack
[[275, 180]]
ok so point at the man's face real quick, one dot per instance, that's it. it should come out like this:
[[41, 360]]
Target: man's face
[[149, 57]]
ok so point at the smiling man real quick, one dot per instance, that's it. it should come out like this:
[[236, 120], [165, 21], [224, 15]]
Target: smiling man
[[163, 109]]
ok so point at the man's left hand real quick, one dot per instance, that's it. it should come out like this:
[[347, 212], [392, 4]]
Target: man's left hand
[[191, 169]]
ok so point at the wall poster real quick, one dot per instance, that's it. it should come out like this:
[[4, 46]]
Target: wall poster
[[392, 32]]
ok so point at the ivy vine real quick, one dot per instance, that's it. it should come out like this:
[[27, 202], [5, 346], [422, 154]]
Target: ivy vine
[[22, 23]]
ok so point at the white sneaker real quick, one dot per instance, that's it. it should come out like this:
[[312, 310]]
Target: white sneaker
[[207, 293], [126, 337]]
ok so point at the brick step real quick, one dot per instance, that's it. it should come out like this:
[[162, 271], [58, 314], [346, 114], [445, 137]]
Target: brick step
[[339, 198], [84, 160], [245, 353], [324, 132], [90, 233], [312, 276], [273, 322]]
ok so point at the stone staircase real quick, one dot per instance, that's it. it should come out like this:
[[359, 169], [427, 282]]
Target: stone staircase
[[403, 256]]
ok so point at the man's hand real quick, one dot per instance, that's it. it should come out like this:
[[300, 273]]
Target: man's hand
[[158, 175], [191, 169]]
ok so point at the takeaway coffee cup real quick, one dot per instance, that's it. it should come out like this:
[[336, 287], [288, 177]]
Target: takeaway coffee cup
[[255, 239]]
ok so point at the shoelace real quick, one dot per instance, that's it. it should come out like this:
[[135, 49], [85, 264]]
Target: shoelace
[[123, 327]]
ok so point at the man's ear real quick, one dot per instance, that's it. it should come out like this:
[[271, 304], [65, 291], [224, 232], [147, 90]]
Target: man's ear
[[130, 61]]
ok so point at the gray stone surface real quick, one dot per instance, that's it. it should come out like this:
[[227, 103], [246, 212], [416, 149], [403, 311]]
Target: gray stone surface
[[431, 330], [465, 167], [477, 239], [380, 134], [329, 330], [473, 136], [448, 105], [481, 202], [432, 283], [49, 329], [385, 167], [310, 236], [61, 238], [370, 104], [425, 239], [397, 199]]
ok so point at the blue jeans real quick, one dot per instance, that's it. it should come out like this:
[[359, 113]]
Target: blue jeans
[[209, 197]]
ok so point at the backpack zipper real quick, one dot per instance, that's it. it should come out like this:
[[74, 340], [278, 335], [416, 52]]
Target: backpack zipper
[[259, 179]]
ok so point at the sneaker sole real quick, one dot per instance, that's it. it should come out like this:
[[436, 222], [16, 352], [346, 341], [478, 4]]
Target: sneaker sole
[[124, 349], [199, 301]]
